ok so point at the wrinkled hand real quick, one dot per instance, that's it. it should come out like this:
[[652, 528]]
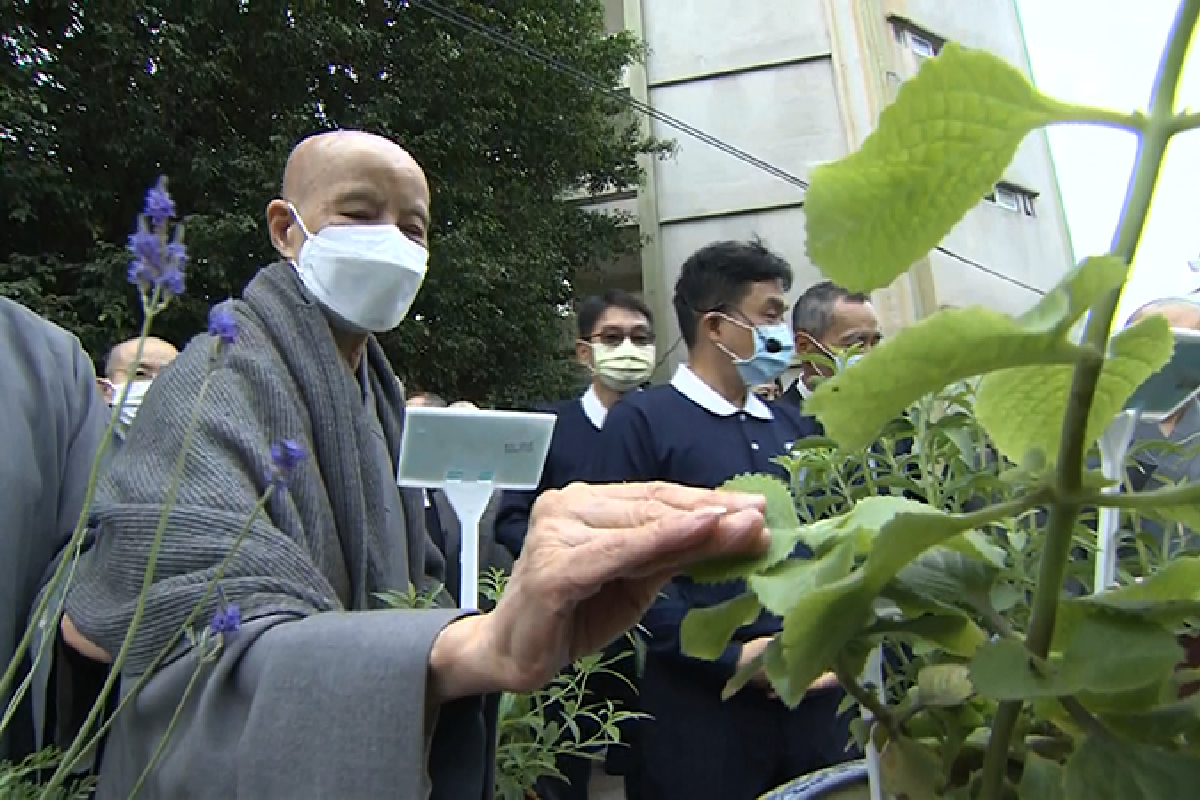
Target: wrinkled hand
[[593, 561]]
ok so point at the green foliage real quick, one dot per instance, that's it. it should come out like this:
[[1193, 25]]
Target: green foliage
[[19, 781], [938, 149], [537, 728], [944, 513], [954, 345], [96, 104], [1022, 408]]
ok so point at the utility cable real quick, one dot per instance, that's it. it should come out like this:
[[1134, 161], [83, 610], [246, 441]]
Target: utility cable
[[521, 48]]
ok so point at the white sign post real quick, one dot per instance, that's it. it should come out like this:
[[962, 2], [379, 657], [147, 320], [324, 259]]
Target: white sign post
[[1114, 445], [1158, 398], [469, 454]]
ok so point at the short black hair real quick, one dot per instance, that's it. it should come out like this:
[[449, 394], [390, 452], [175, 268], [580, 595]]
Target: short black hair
[[813, 312], [719, 276], [593, 308]]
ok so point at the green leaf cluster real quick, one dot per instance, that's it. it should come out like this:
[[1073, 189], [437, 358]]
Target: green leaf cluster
[[951, 514]]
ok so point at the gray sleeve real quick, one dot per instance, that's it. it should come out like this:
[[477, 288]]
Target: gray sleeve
[[89, 419], [332, 705]]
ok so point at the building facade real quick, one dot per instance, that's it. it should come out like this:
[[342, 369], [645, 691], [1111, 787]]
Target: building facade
[[798, 82]]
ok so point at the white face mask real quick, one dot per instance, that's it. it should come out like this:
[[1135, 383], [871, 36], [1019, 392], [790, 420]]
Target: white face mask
[[133, 401], [365, 275]]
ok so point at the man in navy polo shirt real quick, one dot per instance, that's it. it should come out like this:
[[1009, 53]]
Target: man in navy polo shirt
[[704, 428], [616, 345]]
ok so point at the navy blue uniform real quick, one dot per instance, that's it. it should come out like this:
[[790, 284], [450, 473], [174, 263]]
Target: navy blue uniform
[[576, 438], [697, 746]]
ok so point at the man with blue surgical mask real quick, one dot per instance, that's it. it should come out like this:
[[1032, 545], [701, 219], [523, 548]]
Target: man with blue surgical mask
[[702, 429], [832, 322]]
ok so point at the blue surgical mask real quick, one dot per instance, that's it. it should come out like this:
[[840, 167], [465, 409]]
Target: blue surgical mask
[[773, 349], [848, 361]]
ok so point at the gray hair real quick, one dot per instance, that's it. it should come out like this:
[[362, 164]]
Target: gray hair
[[813, 313]]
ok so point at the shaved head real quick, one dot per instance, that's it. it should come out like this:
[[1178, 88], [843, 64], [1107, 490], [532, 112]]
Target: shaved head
[[119, 367], [348, 178]]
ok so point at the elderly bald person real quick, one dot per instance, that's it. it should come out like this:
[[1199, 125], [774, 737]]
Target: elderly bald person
[[122, 376], [304, 701]]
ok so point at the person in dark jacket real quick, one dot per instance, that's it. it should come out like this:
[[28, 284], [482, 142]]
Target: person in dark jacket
[[702, 429], [829, 320], [616, 345]]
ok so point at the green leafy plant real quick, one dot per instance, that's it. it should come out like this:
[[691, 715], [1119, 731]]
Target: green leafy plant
[[536, 729], [972, 544]]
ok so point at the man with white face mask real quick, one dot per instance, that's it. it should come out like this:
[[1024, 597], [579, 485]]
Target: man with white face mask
[[615, 345], [120, 371], [292, 394]]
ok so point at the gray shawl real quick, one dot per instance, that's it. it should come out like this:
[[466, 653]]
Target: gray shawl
[[317, 547]]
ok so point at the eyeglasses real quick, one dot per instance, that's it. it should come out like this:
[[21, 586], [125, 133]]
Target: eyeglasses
[[612, 337]]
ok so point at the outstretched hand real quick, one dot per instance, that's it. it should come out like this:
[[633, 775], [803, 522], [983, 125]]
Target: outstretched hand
[[594, 560]]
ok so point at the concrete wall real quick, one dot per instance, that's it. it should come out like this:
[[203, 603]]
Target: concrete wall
[[794, 82]]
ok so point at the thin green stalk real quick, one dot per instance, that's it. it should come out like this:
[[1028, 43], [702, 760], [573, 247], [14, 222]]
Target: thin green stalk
[[1075, 114], [70, 552], [1182, 495], [1186, 122], [188, 622], [867, 699], [162, 742], [1152, 146], [140, 608]]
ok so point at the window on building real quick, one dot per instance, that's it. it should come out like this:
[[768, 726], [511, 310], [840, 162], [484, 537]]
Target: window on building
[[922, 43], [922, 47], [1012, 198]]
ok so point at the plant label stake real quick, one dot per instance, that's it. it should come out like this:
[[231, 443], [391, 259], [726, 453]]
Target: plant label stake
[[468, 454]]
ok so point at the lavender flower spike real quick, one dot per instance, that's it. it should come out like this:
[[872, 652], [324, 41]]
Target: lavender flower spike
[[221, 323], [158, 257], [286, 454], [160, 208], [227, 619]]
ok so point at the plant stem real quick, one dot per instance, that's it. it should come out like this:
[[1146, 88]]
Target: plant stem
[[1185, 494], [1090, 115], [867, 699], [169, 647], [1186, 122], [1083, 717], [1152, 146], [114, 670], [162, 742]]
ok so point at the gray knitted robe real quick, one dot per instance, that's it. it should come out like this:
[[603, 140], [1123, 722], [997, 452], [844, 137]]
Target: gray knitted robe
[[305, 700]]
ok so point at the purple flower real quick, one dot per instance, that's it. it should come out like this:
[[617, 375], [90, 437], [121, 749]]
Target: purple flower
[[158, 259], [227, 619], [160, 208], [146, 246], [221, 323], [286, 455]]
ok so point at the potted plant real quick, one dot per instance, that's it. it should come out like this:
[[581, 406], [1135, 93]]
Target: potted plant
[[1016, 680]]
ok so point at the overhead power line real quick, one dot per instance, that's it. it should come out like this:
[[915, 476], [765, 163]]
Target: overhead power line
[[512, 44]]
